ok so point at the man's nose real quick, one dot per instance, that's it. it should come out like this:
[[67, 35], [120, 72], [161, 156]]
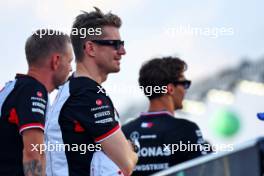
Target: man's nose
[[121, 50]]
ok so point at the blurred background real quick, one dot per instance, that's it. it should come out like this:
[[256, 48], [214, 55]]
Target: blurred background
[[221, 41]]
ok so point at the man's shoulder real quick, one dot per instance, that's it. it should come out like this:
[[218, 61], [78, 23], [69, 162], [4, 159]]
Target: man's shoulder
[[80, 92], [181, 121], [28, 86], [83, 86], [27, 81]]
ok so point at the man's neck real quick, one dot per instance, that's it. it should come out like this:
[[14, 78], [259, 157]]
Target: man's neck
[[161, 104], [42, 76], [91, 72]]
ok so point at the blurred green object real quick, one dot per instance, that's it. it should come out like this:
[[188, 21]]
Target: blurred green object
[[225, 123], [180, 174]]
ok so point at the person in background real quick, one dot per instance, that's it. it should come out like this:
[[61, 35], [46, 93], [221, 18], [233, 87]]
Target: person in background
[[158, 131], [24, 102]]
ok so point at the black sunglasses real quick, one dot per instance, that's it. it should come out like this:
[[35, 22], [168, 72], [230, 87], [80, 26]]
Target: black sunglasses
[[115, 43], [185, 83]]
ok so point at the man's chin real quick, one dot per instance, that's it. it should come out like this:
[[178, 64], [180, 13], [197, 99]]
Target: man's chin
[[115, 70], [118, 69], [179, 107]]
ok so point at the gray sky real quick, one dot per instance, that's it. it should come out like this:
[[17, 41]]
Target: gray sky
[[150, 29]]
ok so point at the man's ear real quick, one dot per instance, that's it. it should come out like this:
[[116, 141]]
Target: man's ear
[[170, 89], [55, 61], [89, 48]]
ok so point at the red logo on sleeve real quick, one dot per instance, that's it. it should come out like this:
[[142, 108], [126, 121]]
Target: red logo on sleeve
[[39, 94], [99, 102], [77, 127]]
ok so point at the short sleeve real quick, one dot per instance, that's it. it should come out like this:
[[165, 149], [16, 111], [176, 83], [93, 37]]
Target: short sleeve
[[189, 136], [95, 113], [31, 105]]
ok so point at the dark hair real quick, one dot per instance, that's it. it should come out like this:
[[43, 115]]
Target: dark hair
[[160, 72], [42, 43], [91, 20]]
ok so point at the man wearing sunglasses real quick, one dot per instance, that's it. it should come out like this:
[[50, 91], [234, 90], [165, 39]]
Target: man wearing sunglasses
[[82, 113], [157, 130]]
